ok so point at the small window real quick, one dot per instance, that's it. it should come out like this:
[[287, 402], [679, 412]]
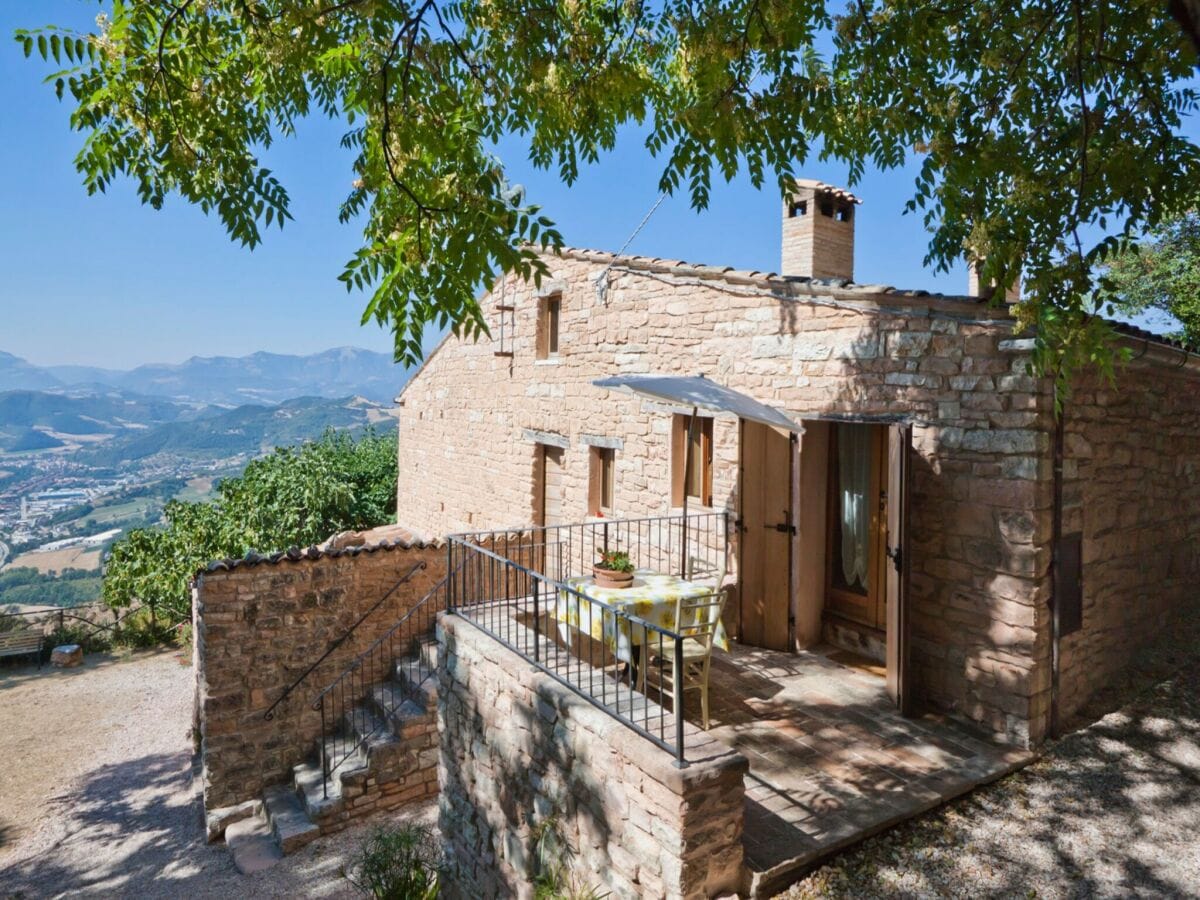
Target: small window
[[698, 482], [549, 313], [826, 207], [601, 481], [798, 209], [845, 212]]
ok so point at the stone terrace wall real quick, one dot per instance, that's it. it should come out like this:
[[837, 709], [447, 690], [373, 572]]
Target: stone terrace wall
[[982, 480], [258, 626], [518, 749], [1132, 486]]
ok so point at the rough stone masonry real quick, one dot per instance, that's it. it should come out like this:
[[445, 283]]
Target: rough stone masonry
[[259, 625], [519, 751]]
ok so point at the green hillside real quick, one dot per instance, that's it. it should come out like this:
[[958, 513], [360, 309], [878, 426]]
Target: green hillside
[[97, 414], [31, 439], [248, 429]]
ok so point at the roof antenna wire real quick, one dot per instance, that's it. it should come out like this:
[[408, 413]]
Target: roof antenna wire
[[602, 275]]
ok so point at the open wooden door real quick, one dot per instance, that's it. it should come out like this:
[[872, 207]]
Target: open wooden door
[[899, 480], [768, 526]]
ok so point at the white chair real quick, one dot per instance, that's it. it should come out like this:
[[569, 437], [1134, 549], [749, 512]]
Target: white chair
[[696, 620], [702, 570]]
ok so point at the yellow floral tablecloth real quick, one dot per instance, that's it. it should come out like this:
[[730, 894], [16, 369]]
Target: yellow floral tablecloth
[[652, 596]]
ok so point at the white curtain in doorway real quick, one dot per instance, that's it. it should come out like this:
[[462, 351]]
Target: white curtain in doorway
[[854, 477]]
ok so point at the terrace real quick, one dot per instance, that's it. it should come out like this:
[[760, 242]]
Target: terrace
[[831, 759]]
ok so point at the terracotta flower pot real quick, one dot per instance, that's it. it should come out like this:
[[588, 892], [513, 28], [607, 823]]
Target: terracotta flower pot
[[610, 579]]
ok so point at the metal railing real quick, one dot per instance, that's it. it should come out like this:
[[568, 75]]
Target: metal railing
[[610, 657], [344, 719], [692, 546], [59, 615], [404, 579]]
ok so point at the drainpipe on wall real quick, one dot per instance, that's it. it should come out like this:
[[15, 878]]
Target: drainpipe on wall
[[1056, 559]]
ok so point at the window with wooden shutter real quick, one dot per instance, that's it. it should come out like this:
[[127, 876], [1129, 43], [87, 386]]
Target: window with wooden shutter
[[699, 480], [601, 481], [549, 313]]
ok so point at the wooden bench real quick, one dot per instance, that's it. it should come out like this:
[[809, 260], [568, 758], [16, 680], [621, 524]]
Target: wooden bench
[[22, 642]]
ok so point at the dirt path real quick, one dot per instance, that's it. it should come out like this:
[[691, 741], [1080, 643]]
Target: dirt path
[[58, 724], [97, 796]]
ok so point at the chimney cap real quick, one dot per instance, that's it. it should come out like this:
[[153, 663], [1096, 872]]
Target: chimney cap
[[821, 187]]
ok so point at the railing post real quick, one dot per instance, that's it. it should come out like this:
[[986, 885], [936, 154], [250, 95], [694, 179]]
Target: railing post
[[678, 690], [537, 622], [324, 759], [450, 575]]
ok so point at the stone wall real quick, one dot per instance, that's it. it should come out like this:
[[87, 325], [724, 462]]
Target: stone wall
[[1132, 487], [258, 625], [982, 481], [519, 750]]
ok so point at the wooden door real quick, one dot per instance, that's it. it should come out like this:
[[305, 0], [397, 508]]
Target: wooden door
[[857, 524], [548, 489], [543, 552], [766, 536], [899, 488]]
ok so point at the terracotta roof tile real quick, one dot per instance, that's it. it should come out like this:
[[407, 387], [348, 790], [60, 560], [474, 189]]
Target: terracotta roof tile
[[298, 554]]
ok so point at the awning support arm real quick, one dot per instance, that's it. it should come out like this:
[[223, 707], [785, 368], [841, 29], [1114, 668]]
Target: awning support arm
[[687, 480]]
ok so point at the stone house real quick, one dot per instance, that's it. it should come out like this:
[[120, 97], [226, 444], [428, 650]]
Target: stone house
[[925, 577], [934, 514]]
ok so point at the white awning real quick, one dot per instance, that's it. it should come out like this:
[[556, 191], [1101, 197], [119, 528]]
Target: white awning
[[698, 391]]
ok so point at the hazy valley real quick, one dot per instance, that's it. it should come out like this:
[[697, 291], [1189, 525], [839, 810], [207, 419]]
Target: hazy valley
[[87, 454]]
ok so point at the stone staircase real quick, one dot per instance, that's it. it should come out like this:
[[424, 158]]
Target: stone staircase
[[382, 756]]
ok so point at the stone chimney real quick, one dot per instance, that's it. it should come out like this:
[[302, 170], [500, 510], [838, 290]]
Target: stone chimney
[[818, 231], [977, 288]]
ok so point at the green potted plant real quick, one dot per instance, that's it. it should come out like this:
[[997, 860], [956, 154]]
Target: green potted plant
[[613, 570]]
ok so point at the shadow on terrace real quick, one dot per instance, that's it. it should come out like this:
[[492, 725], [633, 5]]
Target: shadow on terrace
[[831, 759]]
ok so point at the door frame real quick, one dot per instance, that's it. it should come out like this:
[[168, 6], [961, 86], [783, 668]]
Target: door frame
[[877, 590], [897, 564], [742, 529], [897, 549]]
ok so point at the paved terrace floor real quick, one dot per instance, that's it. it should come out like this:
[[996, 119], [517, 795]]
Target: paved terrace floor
[[831, 760]]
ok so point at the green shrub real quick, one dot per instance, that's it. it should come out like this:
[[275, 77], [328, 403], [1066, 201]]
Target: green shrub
[[397, 864], [141, 629], [554, 857], [294, 497]]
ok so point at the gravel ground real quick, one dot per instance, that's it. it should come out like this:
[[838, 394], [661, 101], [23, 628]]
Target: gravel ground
[[97, 796], [1112, 810]]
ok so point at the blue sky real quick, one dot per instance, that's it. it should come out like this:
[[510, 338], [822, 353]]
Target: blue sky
[[106, 281]]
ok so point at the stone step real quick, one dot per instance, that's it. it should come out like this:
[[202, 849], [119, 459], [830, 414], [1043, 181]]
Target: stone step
[[387, 698], [252, 845], [369, 728], [419, 681], [342, 750], [288, 819], [410, 714], [317, 798], [429, 652]]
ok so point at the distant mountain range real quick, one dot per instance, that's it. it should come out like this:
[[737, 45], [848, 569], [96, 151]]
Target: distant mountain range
[[222, 380]]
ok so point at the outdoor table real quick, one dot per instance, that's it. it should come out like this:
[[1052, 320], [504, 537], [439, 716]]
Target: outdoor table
[[653, 597]]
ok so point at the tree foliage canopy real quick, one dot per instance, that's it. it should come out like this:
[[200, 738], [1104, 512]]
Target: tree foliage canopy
[[295, 497], [1047, 131], [1162, 274]]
